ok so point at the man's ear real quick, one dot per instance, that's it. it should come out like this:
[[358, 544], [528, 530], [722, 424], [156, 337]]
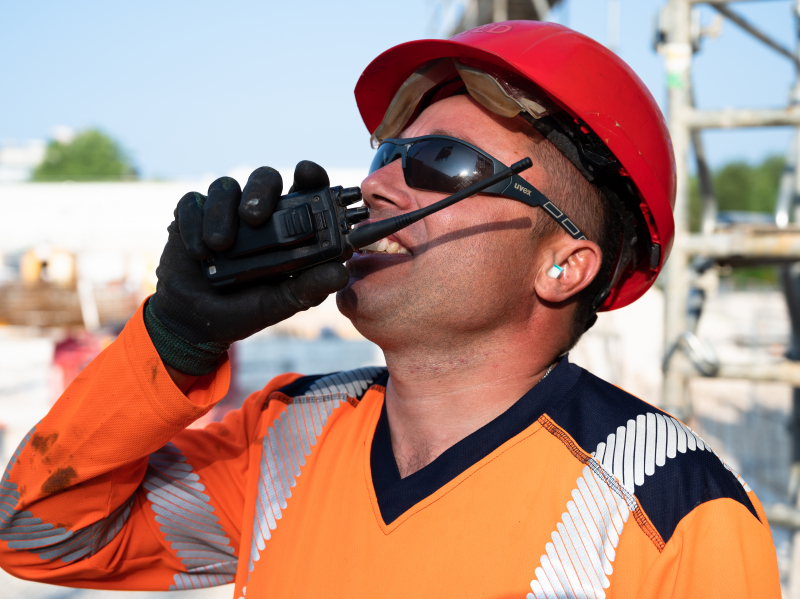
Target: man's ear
[[577, 262]]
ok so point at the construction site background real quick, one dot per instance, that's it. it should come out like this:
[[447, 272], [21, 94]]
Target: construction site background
[[67, 289]]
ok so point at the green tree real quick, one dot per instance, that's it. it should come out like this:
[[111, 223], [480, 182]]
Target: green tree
[[91, 156], [742, 187]]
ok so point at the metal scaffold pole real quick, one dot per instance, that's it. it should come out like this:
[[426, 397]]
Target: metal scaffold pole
[[678, 55], [735, 245]]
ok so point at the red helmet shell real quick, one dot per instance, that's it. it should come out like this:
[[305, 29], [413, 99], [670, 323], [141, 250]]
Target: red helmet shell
[[588, 81]]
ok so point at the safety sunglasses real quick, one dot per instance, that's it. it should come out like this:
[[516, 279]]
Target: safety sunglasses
[[447, 165]]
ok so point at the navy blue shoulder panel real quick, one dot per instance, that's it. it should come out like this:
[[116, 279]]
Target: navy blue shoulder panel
[[668, 468], [352, 383], [300, 386]]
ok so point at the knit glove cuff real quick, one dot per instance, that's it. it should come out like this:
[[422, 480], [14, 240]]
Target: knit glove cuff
[[193, 359]]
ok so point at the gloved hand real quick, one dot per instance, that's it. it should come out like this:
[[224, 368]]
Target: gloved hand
[[191, 323]]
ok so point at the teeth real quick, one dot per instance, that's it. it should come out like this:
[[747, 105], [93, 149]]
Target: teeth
[[384, 246]]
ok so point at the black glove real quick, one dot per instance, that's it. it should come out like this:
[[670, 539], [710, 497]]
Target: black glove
[[191, 323]]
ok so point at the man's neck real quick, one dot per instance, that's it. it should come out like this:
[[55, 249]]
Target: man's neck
[[437, 396]]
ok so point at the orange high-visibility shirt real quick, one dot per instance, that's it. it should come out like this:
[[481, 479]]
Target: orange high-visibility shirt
[[578, 490]]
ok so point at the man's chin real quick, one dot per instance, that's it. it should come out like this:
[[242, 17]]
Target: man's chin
[[370, 310]]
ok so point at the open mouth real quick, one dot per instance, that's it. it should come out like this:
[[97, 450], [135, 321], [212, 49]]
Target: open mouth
[[385, 246]]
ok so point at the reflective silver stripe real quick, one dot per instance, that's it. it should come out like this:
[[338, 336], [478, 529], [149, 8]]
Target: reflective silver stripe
[[601, 450], [656, 438], [559, 569], [619, 453], [691, 443], [624, 500], [299, 431], [589, 559], [578, 561], [598, 485], [601, 520], [585, 572], [21, 530], [329, 405], [166, 501], [650, 446], [264, 492], [261, 528], [552, 578], [309, 423], [545, 585], [638, 464], [672, 438], [278, 461], [187, 521], [271, 480], [630, 446], [589, 484], [292, 443], [314, 410], [594, 524], [590, 538], [661, 440], [701, 445], [161, 488], [570, 563], [288, 466], [608, 462], [681, 435], [289, 440]]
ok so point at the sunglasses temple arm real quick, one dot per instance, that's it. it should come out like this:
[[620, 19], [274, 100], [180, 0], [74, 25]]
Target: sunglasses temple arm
[[535, 198], [367, 234]]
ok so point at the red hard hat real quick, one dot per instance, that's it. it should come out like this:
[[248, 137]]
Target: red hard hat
[[584, 79]]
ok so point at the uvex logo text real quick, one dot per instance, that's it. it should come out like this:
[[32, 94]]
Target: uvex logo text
[[524, 190]]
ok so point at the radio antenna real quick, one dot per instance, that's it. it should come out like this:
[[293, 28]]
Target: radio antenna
[[367, 234]]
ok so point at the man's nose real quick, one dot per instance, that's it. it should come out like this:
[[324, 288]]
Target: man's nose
[[386, 188]]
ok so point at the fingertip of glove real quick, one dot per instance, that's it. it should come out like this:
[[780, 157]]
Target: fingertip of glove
[[314, 285], [260, 195], [309, 175], [334, 274], [224, 185]]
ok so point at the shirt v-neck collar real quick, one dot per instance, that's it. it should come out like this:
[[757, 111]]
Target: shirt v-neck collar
[[397, 495]]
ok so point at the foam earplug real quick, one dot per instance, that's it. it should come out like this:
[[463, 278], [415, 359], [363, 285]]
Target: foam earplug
[[555, 271]]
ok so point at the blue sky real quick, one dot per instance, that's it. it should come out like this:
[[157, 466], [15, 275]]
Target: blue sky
[[192, 88]]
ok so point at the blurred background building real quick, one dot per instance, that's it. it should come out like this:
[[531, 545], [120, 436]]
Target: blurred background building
[[84, 215]]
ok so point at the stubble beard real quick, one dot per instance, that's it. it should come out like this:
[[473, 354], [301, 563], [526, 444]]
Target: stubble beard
[[438, 309]]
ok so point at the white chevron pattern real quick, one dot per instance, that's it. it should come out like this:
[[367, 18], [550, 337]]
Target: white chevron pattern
[[24, 531], [187, 520], [288, 442], [577, 563], [634, 451]]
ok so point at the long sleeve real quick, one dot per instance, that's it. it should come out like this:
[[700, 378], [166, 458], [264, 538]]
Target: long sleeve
[[719, 550], [110, 491]]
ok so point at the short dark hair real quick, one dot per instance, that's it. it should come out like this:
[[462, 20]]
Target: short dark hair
[[589, 209]]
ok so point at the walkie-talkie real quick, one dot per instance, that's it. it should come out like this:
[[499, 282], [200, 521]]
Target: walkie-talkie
[[309, 228]]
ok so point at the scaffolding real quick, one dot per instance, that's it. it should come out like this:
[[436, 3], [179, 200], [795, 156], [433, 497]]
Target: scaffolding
[[739, 245]]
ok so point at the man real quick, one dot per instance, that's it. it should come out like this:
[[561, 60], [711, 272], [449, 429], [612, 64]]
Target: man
[[481, 464]]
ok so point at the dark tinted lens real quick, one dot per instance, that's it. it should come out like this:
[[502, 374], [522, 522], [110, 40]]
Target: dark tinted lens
[[383, 156], [445, 166]]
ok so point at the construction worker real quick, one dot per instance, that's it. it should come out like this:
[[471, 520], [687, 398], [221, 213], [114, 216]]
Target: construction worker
[[481, 463]]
